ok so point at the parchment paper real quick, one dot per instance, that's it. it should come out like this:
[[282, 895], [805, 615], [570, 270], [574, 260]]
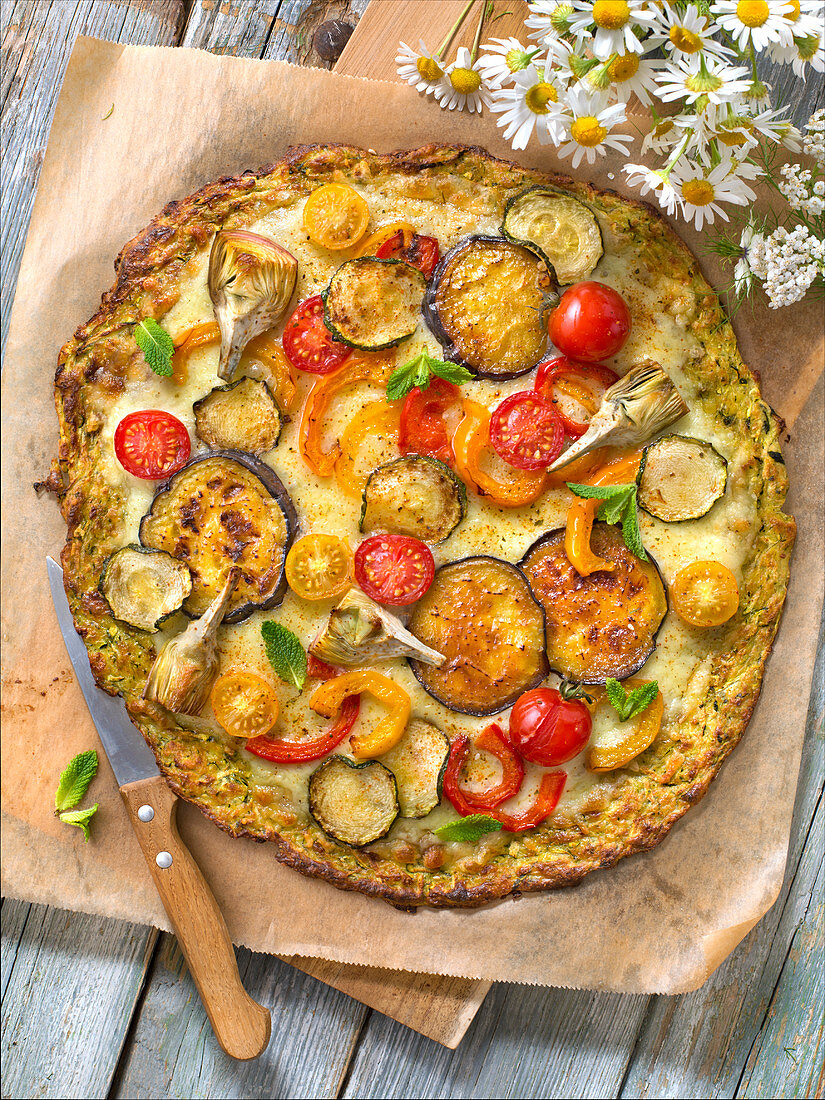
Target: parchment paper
[[660, 922]]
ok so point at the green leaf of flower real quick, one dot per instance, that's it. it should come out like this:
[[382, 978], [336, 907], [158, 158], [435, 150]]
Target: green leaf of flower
[[468, 829], [81, 819], [285, 653], [156, 344], [630, 703], [75, 780]]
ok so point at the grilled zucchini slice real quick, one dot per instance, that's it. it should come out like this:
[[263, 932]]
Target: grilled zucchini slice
[[560, 228], [415, 495], [481, 614], [144, 587], [242, 416], [372, 304], [353, 803], [680, 478], [600, 626], [418, 763]]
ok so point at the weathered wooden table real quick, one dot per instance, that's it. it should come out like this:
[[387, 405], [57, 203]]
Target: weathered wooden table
[[97, 1007]]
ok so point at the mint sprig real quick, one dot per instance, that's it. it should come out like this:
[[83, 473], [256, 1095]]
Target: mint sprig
[[156, 344], [81, 819], [630, 703], [285, 653], [618, 507], [75, 780], [420, 371], [468, 829]]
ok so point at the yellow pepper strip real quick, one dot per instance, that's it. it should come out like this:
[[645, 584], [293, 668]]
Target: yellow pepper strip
[[360, 367], [376, 419], [371, 245], [642, 732], [472, 436], [582, 513], [330, 695]]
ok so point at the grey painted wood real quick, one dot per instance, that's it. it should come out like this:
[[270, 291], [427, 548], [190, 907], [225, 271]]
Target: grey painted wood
[[171, 1050], [72, 984], [37, 37]]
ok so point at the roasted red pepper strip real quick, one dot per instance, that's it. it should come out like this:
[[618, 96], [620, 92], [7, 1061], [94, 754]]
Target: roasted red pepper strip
[[550, 792], [571, 378], [423, 429], [320, 670], [491, 740], [298, 752]]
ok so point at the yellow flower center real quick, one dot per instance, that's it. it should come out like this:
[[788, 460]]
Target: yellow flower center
[[730, 131], [697, 192], [685, 40], [539, 96], [624, 67], [588, 131], [793, 14], [429, 69], [465, 81], [611, 14], [753, 13]]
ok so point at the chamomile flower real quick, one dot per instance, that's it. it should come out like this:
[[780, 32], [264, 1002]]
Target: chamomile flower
[[755, 22], [686, 33], [616, 22], [548, 20], [531, 104], [803, 54], [702, 190], [625, 75], [744, 130], [504, 58], [805, 17], [701, 78], [649, 181], [588, 121], [423, 70], [462, 85]]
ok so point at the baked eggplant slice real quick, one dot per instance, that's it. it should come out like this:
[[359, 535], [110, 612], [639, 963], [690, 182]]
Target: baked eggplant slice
[[486, 305], [242, 416], [418, 763], [600, 626], [353, 803], [414, 495], [222, 510], [560, 228], [144, 587], [680, 478], [482, 615], [373, 304]]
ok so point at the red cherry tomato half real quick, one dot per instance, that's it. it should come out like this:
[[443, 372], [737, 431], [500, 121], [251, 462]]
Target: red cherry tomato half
[[590, 323], [421, 252], [548, 729], [394, 569], [423, 429], [308, 343], [525, 431], [575, 390], [151, 444]]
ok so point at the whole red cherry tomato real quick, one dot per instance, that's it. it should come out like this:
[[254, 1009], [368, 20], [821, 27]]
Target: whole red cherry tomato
[[548, 729], [590, 323], [151, 444]]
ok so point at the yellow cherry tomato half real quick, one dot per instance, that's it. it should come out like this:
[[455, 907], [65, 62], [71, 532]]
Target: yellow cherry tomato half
[[705, 594], [244, 704], [319, 567], [335, 216]]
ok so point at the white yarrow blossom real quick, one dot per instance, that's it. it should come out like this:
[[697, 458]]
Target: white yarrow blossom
[[759, 22], [701, 190], [588, 121], [791, 260], [421, 69], [649, 181], [615, 24], [531, 104], [750, 263], [694, 78], [462, 85], [814, 140], [686, 33], [504, 57]]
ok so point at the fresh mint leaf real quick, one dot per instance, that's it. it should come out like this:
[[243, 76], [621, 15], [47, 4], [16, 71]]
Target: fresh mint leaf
[[614, 508], [450, 372], [75, 780], [80, 818], [630, 703], [419, 372], [598, 492], [468, 829], [156, 344], [618, 507], [285, 652], [630, 531]]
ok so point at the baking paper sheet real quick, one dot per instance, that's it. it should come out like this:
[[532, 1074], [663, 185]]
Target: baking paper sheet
[[659, 922]]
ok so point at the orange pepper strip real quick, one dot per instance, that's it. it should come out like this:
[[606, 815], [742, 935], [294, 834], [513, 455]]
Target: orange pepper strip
[[640, 736], [199, 336], [582, 513], [371, 245], [471, 437], [360, 367], [329, 698], [377, 418]]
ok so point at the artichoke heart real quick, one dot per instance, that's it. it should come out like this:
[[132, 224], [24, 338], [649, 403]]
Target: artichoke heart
[[633, 410], [251, 280], [185, 669], [361, 630]]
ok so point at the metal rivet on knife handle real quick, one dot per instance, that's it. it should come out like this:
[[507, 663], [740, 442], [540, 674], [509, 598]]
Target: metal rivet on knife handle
[[146, 813], [163, 859]]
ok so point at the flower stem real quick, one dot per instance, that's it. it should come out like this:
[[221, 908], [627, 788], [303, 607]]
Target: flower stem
[[445, 45], [477, 39]]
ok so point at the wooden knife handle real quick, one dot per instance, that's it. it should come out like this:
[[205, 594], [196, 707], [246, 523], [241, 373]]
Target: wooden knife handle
[[241, 1025]]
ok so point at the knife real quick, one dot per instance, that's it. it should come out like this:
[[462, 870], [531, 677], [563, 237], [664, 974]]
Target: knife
[[241, 1025]]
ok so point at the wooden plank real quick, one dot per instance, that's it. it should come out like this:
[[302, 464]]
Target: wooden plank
[[38, 37], [73, 984], [296, 23], [171, 1050]]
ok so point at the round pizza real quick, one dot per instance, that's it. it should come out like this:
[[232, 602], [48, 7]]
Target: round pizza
[[425, 516]]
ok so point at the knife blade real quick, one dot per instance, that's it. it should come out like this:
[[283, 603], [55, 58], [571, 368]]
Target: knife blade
[[241, 1025]]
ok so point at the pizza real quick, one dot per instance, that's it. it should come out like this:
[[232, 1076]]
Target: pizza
[[425, 516]]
